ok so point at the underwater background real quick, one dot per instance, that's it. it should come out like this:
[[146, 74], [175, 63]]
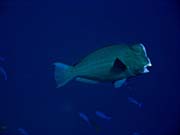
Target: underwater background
[[36, 33]]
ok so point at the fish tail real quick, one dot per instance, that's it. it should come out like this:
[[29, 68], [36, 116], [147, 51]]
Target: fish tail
[[63, 74]]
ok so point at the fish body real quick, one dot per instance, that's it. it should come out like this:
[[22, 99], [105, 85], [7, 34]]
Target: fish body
[[2, 71], [97, 66], [103, 115], [109, 64], [22, 131], [91, 123], [84, 117], [2, 58], [132, 100]]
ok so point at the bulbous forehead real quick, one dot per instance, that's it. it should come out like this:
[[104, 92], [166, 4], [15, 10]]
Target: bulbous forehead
[[139, 49]]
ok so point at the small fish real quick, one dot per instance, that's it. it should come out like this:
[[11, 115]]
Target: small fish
[[3, 129], [91, 123], [114, 64], [2, 58], [85, 118], [136, 133], [102, 115], [22, 131], [132, 100], [3, 72]]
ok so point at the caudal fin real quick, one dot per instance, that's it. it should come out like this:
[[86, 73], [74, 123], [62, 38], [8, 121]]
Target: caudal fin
[[63, 74]]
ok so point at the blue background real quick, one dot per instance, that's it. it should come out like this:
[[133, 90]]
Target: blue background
[[36, 33]]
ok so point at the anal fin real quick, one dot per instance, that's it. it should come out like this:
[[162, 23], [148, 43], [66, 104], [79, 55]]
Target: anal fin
[[84, 80]]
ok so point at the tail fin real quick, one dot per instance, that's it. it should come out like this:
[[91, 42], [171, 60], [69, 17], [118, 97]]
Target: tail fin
[[63, 74]]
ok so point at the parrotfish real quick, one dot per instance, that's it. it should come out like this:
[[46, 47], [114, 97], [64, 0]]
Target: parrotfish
[[115, 63]]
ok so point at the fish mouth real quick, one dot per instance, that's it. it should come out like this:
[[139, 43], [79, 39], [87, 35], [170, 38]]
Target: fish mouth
[[146, 70]]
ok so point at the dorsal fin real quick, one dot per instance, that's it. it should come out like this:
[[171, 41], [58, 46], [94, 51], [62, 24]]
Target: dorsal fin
[[118, 66]]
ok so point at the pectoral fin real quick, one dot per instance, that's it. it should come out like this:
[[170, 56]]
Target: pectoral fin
[[119, 83], [118, 66]]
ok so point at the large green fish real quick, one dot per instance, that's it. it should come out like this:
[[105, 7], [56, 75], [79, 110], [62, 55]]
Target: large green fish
[[114, 64]]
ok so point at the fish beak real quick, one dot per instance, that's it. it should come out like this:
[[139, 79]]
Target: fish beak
[[148, 65]]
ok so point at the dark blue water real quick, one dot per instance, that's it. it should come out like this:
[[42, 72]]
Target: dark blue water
[[36, 33]]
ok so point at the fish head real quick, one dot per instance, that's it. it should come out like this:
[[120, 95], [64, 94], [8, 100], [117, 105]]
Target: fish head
[[141, 60]]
